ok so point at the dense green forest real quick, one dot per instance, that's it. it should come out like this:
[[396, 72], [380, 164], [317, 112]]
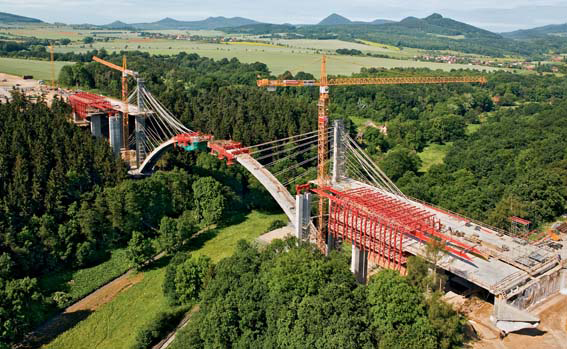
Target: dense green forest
[[48, 171], [289, 295]]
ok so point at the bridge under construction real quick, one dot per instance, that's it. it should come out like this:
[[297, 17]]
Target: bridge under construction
[[356, 203]]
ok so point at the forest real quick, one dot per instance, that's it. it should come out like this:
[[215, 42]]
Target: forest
[[289, 295]]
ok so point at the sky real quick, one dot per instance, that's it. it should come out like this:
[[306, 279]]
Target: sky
[[499, 16]]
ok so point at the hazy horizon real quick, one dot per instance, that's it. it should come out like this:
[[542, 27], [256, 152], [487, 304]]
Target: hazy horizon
[[509, 15]]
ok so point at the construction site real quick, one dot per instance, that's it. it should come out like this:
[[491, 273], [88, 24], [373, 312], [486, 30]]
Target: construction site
[[356, 203]]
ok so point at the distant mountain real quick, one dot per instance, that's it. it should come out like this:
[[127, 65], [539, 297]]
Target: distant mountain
[[335, 19], [438, 25], [538, 32], [118, 25], [170, 23], [381, 21], [10, 18]]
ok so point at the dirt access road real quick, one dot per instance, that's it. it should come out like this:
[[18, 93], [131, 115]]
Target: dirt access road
[[81, 309]]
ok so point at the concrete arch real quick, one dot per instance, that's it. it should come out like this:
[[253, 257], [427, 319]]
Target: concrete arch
[[152, 158], [271, 183]]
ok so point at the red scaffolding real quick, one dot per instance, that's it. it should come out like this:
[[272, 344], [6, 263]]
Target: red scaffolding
[[227, 150], [186, 139], [379, 224], [84, 103]]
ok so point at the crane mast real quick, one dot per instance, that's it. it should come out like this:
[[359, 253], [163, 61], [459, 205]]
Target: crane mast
[[322, 122], [125, 114], [52, 62], [323, 110]]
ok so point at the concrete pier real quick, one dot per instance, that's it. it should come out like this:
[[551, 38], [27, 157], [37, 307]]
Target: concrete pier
[[96, 125], [115, 133], [302, 215], [359, 264]]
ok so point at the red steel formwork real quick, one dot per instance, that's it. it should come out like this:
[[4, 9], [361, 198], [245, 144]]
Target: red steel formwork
[[186, 139], [227, 150], [379, 224], [84, 103]]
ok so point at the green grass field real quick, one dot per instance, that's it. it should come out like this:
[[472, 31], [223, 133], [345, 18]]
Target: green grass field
[[278, 58], [472, 128], [115, 324], [433, 154], [41, 70], [82, 282]]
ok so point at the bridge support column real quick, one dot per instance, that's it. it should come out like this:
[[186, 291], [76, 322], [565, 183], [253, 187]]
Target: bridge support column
[[359, 264], [96, 125], [140, 139], [302, 215], [115, 133], [140, 126], [338, 151]]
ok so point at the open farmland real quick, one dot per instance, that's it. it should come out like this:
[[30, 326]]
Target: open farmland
[[41, 70], [278, 58]]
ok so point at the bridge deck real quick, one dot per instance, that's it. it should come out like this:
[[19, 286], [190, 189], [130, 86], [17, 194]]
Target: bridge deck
[[504, 272]]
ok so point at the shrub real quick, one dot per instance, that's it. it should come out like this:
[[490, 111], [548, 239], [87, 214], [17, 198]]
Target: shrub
[[277, 225], [158, 328]]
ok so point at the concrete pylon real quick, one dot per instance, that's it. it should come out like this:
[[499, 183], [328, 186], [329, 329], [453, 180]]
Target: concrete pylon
[[115, 133], [140, 121], [140, 139], [96, 125], [359, 264], [338, 151]]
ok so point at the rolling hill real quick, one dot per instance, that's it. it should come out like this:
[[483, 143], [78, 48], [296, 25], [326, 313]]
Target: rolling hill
[[539, 32], [170, 23], [335, 19], [434, 32], [11, 18]]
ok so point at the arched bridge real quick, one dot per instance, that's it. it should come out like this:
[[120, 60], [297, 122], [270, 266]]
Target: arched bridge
[[231, 151]]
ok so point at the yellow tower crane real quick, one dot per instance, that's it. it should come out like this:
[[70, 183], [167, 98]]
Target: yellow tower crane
[[323, 110]]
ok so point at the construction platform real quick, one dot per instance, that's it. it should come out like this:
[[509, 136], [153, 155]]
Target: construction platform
[[510, 268]]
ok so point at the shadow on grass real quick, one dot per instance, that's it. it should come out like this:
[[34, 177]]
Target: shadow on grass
[[54, 327], [157, 264], [199, 240]]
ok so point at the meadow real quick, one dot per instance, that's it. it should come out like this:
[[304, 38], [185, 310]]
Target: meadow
[[279, 54], [115, 324], [41, 70], [80, 283], [278, 58], [433, 154]]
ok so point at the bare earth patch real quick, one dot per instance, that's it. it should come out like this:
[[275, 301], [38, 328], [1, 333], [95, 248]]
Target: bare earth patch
[[551, 334]]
